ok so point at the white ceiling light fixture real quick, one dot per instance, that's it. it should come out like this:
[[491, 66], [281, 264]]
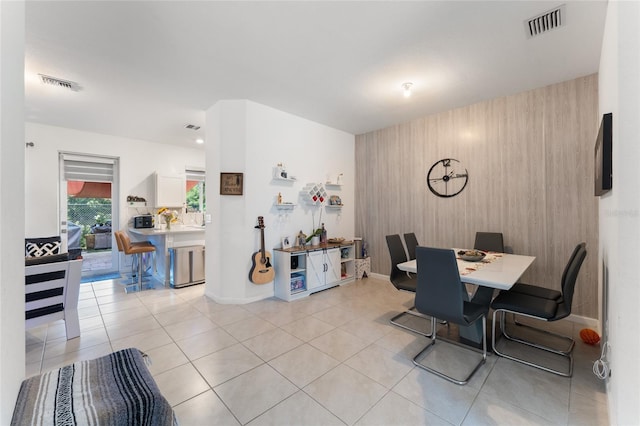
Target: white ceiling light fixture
[[199, 141], [407, 88]]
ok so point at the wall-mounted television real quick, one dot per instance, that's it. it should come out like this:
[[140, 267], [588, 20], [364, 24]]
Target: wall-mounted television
[[603, 160]]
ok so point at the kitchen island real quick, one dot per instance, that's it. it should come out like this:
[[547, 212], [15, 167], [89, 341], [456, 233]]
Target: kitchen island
[[164, 239]]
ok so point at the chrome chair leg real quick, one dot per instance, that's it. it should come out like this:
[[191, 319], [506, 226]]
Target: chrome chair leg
[[432, 343], [502, 314], [414, 313], [571, 342]]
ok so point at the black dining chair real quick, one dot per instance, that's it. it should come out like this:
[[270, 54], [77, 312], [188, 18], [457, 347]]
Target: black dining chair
[[441, 294], [411, 241], [543, 309], [544, 292], [402, 280], [489, 241]]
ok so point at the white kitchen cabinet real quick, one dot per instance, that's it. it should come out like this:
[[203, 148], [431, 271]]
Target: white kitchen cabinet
[[170, 190]]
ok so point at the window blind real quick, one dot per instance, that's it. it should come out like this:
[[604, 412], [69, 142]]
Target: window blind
[[195, 175], [88, 169]]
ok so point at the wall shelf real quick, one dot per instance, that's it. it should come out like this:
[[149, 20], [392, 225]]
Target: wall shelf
[[280, 173], [285, 206], [287, 179], [333, 185], [334, 206]]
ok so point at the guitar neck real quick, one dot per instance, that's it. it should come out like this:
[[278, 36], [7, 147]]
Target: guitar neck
[[263, 257]]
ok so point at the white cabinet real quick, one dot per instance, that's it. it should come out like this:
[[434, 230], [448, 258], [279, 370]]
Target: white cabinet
[[300, 272], [291, 280], [170, 190], [323, 268]]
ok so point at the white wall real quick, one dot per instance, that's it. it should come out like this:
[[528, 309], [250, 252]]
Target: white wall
[[619, 88], [243, 136], [12, 338], [138, 161]]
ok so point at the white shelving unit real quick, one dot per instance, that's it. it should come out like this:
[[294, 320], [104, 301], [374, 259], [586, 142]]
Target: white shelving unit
[[304, 271]]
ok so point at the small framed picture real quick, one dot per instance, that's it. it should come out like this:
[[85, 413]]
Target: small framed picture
[[231, 183], [286, 242]]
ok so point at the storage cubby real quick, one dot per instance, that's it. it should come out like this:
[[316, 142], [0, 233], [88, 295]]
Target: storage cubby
[[347, 262], [298, 283]]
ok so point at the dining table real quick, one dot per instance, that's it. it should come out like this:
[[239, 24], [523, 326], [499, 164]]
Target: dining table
[[495, 271]]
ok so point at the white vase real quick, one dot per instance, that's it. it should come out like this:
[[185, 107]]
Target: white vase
[[315, 241]]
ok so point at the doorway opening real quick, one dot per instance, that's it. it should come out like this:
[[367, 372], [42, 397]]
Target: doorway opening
[[89, 212]]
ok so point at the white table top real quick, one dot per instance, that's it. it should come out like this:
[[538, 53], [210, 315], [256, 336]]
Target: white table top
[[502, 273]]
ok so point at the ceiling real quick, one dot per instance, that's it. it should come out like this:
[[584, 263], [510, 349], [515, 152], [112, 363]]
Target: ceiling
[[146, 69]]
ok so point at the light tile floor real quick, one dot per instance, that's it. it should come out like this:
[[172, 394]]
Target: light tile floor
[[329, 359]]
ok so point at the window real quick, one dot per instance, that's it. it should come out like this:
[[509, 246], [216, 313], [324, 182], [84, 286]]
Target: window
[[195, 190]]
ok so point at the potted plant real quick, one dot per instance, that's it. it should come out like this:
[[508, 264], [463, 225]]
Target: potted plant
[[315, 234], [314, 237]]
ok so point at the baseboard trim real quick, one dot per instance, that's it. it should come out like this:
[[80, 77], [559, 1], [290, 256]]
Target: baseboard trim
[[235, 301], [576, 319], [589, 322]]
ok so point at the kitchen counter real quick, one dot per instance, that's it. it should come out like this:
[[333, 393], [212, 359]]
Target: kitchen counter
[[164, 239], [175, 229]]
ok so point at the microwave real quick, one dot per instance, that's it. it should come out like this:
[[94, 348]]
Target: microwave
[[145, 221]]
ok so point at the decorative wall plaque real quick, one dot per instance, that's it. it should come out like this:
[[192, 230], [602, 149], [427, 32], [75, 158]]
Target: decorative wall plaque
[[231, 183]]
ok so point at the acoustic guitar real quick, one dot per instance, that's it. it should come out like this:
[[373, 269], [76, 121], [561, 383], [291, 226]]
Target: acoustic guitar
[[261, 270]]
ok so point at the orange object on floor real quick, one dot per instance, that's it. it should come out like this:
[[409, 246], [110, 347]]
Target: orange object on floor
[[589, 336]]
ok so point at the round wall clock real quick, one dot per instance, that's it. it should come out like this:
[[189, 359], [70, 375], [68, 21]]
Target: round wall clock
[[447, 177]]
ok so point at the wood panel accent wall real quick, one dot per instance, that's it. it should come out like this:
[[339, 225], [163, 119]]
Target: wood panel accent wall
[[530, 162]]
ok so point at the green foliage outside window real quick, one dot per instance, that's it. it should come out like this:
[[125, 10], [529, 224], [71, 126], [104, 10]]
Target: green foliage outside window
[[193, 198], [87, 212]]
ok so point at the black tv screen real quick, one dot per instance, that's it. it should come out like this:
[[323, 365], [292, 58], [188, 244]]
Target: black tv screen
[[603, 160]]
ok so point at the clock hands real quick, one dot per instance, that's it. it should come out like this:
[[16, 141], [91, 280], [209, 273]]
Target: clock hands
[[449, 176], [454, 177]]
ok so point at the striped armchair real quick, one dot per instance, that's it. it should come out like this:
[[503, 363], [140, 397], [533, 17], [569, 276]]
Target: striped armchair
[[52, 286]]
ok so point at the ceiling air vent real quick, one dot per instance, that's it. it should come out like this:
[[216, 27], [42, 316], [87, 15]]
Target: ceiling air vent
[[546, 22], [58, 82], [192, 127]]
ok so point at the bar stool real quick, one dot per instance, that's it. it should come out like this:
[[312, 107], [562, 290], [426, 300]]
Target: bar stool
[[132, 277], [127, 278], [137, 250]]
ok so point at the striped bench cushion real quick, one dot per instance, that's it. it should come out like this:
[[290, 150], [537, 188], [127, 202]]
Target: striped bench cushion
[[116, 389]]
